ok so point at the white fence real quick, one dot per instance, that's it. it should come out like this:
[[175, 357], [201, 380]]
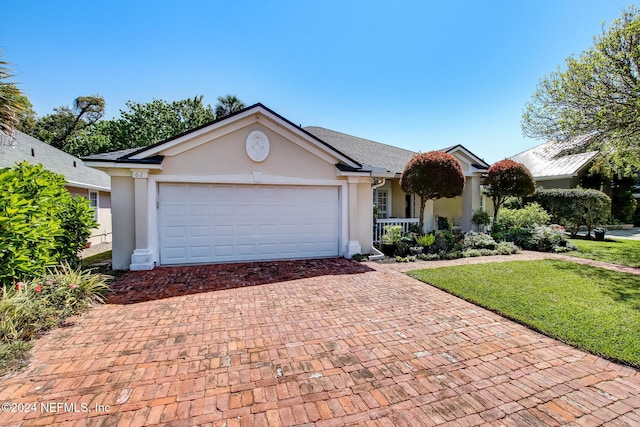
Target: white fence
[[406, 223]]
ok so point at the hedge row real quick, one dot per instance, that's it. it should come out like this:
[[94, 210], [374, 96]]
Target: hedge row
[[575, 207]]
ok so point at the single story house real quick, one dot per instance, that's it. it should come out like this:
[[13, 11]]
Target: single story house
[[558, 164], [80, 180], [255, 186]]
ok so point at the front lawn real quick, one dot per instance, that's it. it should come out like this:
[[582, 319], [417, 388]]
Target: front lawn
[[625, 252], [592, 308]]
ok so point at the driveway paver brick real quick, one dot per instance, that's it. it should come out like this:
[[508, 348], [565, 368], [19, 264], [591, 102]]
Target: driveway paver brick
[[373, 347]]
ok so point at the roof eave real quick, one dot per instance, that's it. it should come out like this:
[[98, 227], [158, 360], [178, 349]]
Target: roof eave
[[154, 149]]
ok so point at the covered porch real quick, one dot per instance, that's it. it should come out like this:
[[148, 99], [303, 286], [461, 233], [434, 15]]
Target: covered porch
[[392, 206]]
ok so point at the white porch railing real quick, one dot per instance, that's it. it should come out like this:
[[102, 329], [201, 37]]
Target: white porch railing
[[406, 223]]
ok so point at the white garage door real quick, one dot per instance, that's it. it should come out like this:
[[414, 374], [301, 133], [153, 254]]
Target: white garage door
[[202, 223]]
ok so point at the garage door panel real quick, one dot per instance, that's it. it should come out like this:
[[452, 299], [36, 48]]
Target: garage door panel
[[199, 231], [201, 223], [175, 211], [200, 252], [196, 211]]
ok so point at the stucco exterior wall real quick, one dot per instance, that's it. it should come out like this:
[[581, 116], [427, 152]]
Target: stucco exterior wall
[[556, 183], [398, 199], [227, 156], [122, 208], [365, 217], [103, 233], [449, 208]]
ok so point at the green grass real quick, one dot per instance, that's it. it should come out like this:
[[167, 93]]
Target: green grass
[[94, 259], [591, 308], [625, 252]]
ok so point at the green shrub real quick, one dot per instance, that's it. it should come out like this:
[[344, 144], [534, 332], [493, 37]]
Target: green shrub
[[428, 257], [392, 234], [575, 207], [541, 238], [425, 240], [473, 240], [521, 237], [77, 221], [527, 217], [469, 253], [40, 223], [402, 249], [452, 255], [446, 241], [481, 218], [507, 248], [444, 224]]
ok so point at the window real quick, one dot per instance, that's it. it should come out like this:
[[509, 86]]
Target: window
[[93, 202], [382, 200]]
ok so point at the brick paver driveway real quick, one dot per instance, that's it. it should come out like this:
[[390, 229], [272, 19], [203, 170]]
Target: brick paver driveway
[[373, 347]]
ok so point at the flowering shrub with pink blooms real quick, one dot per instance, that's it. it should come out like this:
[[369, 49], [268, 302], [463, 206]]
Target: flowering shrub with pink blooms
[[30, 308]]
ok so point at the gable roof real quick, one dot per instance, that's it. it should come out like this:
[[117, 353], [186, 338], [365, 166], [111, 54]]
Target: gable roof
[[354, 154], [26, 148], [150, 153], [379, 155], [554, 159]]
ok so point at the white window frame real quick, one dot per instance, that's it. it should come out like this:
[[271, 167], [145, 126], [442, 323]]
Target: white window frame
[[94, 202], [386, 213]]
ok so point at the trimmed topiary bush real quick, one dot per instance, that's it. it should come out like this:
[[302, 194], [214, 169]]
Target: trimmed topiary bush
[[507, 178], [432, 175]]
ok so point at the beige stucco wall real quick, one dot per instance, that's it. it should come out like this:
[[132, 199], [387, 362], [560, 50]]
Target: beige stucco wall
[[227, 156], [102, 233], [122, 209], [365, 216], [450, 208], [398, 199]]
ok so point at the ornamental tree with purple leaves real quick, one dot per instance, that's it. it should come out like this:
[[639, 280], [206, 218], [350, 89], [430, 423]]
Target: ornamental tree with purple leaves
[[507, 178], [431, 176]]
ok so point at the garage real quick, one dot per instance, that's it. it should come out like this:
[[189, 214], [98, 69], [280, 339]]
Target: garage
[[204, 223]]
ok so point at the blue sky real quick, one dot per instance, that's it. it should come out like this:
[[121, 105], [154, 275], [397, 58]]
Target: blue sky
[[420, 75]]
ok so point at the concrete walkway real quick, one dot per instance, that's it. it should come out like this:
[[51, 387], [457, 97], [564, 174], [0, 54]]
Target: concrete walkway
[[371, 348]]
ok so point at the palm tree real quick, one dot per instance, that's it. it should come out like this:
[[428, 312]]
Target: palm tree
[[227, 105], [11, 105]]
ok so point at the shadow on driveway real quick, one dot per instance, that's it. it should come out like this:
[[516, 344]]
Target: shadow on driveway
[[166, 282]]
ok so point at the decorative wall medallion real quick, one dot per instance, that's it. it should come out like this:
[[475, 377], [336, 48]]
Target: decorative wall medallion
[[257, 146]]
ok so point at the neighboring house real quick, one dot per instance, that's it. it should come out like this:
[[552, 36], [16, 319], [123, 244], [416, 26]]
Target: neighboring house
[[254, 186], [80, 179], [557, 164]]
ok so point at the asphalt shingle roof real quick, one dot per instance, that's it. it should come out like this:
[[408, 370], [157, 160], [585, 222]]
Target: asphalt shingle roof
[[365, 151], [34, 151]]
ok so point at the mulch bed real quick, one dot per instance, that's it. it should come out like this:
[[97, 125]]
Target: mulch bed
[[166, 282]]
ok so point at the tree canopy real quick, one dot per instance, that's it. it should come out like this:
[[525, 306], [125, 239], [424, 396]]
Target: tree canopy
[[432, 175], [60, 127], [507, 178], [81, 132], [227, 105], [597, 94], [12, 102]]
